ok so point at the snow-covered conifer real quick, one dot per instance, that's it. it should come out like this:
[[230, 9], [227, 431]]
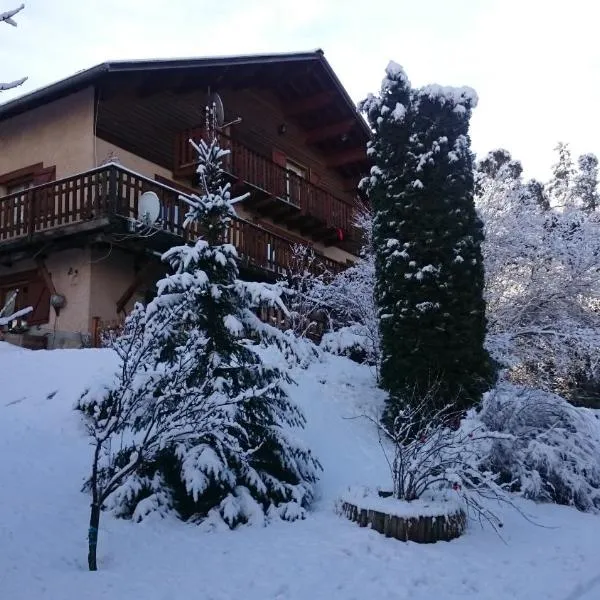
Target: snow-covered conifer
[[196, 423], [560, 188], [427, 237], [389, 118], [7, 17], [535, 190], [586, 182]]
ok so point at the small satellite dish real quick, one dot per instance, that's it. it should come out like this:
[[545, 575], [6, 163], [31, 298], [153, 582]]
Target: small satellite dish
[[148, 208], [216, 104]]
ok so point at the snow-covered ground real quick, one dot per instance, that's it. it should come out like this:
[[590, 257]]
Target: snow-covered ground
[[44, 459]]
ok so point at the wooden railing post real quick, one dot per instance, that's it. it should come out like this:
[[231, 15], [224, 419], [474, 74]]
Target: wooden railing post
[[113, 199], [30, 209]]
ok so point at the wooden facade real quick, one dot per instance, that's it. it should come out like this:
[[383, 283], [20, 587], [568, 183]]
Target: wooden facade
[[297, 150]]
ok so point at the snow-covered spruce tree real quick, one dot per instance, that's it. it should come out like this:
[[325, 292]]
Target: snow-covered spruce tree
[[7, 17], [560, 188], [195, 423], [586, 182], [427, 236]]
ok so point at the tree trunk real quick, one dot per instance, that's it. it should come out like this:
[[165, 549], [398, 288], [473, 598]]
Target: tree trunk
[[93, 536], [94, 512]]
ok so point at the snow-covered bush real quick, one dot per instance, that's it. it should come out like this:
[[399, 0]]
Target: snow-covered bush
[[552, 452], [305, 280], [542, 259], [353, 341], [435, 456], [342, 303]]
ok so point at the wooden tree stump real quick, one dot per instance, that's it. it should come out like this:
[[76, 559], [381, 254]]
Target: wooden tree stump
[[424, 530]]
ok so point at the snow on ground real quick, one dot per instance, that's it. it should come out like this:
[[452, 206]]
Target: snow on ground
[[44, 459]]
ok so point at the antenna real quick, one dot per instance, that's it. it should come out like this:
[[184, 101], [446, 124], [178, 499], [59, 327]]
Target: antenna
[[148, 208], [216, 113], [215, 105]]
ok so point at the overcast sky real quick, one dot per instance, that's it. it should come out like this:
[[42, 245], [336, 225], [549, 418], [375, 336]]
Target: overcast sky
[[535, 64]]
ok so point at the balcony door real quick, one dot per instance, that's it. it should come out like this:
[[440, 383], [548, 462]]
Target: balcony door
[[296, 176]]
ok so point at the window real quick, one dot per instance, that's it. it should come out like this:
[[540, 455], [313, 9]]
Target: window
[[295, 177], [21, 179], [13, 188]]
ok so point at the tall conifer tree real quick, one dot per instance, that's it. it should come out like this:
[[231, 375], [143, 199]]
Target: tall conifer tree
[[427, 238]]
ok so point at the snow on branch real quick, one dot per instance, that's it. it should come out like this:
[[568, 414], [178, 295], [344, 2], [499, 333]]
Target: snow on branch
[[6, 316], [7, 17], [541, 266]]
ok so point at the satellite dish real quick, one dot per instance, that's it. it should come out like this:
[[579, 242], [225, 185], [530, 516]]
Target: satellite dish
[[216, 104], [148, 208]]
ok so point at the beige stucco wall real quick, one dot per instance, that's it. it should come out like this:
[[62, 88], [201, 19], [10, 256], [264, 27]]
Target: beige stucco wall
[[70, 271], [59, 133], [105, 150], [112, 273]]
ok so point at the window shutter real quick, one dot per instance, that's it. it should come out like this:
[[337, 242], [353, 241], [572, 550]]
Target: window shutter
[[279, 157], [38, 297], [43, 199], [278, 186], [44, 175]]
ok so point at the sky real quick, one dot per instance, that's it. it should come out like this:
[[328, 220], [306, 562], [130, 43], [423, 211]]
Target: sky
[[535, 64]]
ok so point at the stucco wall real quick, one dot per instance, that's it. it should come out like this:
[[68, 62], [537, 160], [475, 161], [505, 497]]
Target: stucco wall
[[71, 274], [104, 150], [111, 276], [59, 133]]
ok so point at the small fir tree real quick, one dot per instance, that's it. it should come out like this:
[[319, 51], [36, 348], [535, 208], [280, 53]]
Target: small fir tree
[[196, 424]]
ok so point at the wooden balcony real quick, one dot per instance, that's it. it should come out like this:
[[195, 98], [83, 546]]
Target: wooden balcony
[[105, 200], [276, 191]]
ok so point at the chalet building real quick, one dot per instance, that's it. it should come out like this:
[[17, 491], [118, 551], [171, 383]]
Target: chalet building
[[77, 156]]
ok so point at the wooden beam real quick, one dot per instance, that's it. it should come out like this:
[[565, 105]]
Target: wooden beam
[[329, 131], [347, 156], [350, 184], [137, 281], [307, 104]]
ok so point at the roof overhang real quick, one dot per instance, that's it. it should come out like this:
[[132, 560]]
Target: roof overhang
[[307, 86]]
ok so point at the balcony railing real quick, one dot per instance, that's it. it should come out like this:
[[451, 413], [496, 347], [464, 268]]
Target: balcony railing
[[254, 169], [111, 192]]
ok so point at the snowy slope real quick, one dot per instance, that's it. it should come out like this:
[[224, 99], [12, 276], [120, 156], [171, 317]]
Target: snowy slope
[[44, 458]]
